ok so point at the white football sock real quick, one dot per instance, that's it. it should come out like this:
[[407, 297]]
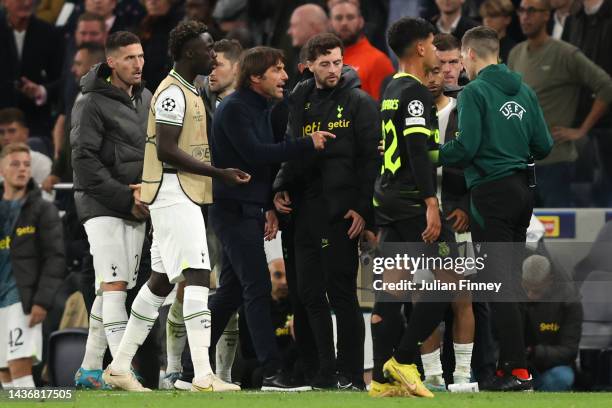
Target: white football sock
[[463, 359], [432, 366], [176, 337], [145, 310], [24, 382], [96, 338], [198, 324], [114, 317], [226, 349]]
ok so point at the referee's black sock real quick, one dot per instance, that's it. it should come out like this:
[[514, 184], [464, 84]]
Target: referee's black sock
[[424, 319], [387, 326]]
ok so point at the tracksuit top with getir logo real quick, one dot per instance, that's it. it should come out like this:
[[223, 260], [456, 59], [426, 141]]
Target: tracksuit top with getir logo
[[501, 126], [411, 135], [176, 102]]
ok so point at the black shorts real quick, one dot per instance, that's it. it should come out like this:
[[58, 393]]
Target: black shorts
[[409, 231]]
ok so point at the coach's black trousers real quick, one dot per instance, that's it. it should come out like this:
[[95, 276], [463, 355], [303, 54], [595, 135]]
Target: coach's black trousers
[[501, 211], [326, 262], [244, 278]]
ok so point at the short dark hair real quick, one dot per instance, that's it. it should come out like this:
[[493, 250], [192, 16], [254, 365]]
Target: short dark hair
[[446, 42], [87, 16], [231, 49], [182, 34], [11, 148], [406, 31], [94, 49], [483, 40], [256, 61], [322, 44], [120, 39], [11, 115]]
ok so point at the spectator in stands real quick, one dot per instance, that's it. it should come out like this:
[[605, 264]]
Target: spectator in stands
[[372, 65], [306, 21], [106, 10], [87, 55], [162, 16], [553, 325], [590, 29], [31, 55], [118, 16], [13, 129], [90, 29], [448, 51], [231, 14], [562, 9], [48, 10], [201, 10], [537, 59], [32, 266], [497, 14], [450, 18]]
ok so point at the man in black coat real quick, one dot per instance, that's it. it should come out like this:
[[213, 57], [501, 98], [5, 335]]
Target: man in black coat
[[553, 324], [32, 266], [329, 195], [32, 56]]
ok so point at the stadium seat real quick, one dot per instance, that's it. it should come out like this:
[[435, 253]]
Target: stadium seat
[[597, 322], [66, 351]]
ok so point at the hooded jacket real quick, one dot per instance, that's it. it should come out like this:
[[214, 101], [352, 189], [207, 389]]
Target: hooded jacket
[[37, 250], [501, 125], [350, 162], [108, 133]]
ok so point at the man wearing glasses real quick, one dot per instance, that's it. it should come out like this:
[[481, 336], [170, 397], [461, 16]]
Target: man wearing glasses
[[557, 71]]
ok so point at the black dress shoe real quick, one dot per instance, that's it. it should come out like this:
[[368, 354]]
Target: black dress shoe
[[279, 381], [507, 382], [325, 382]]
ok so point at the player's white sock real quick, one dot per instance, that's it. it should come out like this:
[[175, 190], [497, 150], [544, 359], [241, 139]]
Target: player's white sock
[[463, 360], [176, 337], [96, 338], [197, 323], [114, 317], [432, 366], [24, 382], [7, 385], [145, 310], [226, 349]]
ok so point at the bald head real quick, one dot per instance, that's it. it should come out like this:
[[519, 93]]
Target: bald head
[[306, 22]]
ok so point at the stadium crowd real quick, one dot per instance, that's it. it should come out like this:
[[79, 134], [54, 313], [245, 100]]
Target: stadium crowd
[[103, 101]]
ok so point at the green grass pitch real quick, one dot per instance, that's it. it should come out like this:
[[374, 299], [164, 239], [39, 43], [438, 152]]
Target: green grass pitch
[[175, 399]]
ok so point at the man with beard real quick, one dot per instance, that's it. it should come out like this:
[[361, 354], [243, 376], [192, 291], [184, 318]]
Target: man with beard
[[176, 182], [372, 65], [329, 197], [108, 140]]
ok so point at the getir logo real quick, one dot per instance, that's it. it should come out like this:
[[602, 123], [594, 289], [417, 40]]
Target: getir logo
[[28, 229], [5, 243], [316, 126]]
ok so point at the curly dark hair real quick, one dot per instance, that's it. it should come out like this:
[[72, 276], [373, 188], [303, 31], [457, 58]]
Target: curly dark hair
[[182, 34]]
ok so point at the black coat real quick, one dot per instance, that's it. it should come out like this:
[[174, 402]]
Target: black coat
[[553, 329], [350, 162], [463, 25], [41, 62], [108, 133], [593, 35], [37, 251]]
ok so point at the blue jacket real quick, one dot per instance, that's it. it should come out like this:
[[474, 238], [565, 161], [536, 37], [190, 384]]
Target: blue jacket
[[242, 138]]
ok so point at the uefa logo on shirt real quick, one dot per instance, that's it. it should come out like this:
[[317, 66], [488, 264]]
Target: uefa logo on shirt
[[511, 109]]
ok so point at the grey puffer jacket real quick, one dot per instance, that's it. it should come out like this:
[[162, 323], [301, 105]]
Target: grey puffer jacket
[[108, 133]]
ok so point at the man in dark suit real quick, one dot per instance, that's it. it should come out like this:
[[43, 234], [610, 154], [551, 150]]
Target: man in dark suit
[[451, 20], [31, 55]]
